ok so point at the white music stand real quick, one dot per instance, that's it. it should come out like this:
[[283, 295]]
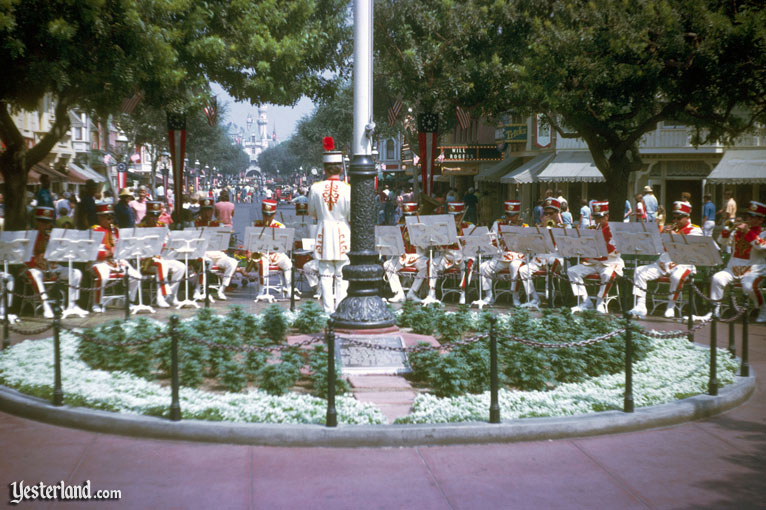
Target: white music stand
[[429, 232], [185, 244], [72, 246], [268, 240], [640, 238], [138, 243], [389, 241], [16, 247], [476, 244], [530, 241], [586, 243], [692, 250]]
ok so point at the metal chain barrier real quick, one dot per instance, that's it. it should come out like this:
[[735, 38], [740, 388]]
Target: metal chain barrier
[[31, 332], [568, 345], [256, 348], [88, 338]]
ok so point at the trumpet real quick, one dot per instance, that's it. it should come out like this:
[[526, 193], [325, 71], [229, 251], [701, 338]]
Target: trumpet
[[551, 223]]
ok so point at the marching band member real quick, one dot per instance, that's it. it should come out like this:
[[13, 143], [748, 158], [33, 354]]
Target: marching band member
[[281, 260], [169, 272], [607, 267], [452, 255], [330, 204], [106, 263], [747, 263], [548, 261], [38, 267], [410, 258], [506, 259], [664, 266], [216, 257]]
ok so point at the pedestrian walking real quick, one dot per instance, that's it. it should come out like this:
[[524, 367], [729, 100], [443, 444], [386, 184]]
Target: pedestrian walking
[[650, 204], [708, 216]]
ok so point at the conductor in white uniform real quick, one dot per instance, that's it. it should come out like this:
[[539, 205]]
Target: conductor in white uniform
[[330, 204]]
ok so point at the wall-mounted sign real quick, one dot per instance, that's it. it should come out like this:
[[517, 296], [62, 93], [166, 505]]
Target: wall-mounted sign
[[470, 153], [460, 170], [515, 133], [543, 136]]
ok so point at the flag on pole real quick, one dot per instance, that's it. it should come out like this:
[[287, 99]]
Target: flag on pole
[[129, 104], [428, 127], [211, 111], [463, 117], [393, 112]]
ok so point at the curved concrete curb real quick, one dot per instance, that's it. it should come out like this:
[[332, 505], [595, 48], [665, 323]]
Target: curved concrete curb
[[528, 429]]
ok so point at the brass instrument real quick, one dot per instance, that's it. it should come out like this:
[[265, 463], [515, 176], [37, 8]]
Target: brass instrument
[[551, 224]]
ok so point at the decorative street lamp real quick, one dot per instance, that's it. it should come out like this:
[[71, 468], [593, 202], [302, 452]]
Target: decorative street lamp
[[363, 308]]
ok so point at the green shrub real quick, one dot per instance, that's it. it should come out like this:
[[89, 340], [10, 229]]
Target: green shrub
[[274, 324], [232, 376], [407, 311], [278, 378], [427, 319], [311, 318]]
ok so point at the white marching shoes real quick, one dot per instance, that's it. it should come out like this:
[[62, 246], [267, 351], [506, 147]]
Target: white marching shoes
[[761, 315], [640, 309], [585, 305], [670, 311]]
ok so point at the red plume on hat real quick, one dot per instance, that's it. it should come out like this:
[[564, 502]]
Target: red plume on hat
[[328, 143]]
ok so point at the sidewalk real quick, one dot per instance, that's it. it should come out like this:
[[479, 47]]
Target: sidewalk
[[718, 463]]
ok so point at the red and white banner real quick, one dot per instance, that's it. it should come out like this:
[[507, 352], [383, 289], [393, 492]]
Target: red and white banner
[[129, 104], [543, 135], [177, 139], [428, 128], [122, 180]]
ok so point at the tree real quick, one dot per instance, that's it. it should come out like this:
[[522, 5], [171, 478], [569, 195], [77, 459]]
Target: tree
[[92, 55], [606, 71]]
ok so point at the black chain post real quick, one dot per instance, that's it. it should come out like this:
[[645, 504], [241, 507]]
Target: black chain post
[[732, 345], [6, 321], [744, 369], [58, 393], [712, 388], [126, 284], [332, 414], [692, 309], [628, 404], [494, 407], [175, 406]]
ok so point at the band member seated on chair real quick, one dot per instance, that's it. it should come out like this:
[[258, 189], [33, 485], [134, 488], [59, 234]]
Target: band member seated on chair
[[410, 258], [452, 255], [169, 273], [506, 259], [748, 262], [106, 263], [550, 262], [330, 205], [39, 269], [681, 225], [281, 260], [608, 268], [214, 257]]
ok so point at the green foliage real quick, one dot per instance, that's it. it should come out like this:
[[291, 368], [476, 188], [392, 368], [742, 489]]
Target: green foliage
[[311, 318], [278, 378], [408, 311], [466, 368], [318, 368], [274, 323], [232, 376], [427, 320]]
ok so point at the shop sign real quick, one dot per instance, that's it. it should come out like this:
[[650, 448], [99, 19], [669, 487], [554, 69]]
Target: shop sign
[[515, 133], [469, 153]]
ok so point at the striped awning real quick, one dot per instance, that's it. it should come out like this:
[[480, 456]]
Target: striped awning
[[740, 166], [571, 166], [529, 171], [495, 172]]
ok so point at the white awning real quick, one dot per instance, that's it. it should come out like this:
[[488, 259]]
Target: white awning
[[88, 172], [495, 172], [528, 172], [740, 166], [571, 166]]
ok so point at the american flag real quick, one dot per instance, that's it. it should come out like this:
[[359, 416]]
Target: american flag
[[211, 111], [393, 112], [129, 104], [463, 117]]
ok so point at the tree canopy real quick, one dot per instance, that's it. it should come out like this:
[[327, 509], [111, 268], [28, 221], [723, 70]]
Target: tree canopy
[[606, 71], [94, 54]]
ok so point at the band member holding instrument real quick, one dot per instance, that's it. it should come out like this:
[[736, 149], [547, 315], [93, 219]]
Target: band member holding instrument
[[506, 259], [169, 273], [681, 225], [452, 255], [107, 265], [607, 267], [214, 257], [747, 263], [410, 258], [281, 260], [542, 261]]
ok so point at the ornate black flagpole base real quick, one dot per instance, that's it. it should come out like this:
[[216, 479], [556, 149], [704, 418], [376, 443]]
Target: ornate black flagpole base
[[363, 308]]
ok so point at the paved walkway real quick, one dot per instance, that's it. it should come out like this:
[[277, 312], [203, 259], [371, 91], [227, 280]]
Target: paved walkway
[[718, 463]]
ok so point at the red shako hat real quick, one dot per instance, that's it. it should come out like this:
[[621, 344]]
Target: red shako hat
[[756, 209], [44, 213], [409, 208], [512, 207], [269, 206], [552, 203], [455, 207], [105, 208], [681, 207], [330, 154], [600, 208]]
